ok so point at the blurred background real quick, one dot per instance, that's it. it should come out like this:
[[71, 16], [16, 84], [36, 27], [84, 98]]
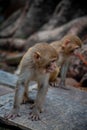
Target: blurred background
[[24, 23]]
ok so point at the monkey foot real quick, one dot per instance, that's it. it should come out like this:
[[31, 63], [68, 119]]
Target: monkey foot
[[34, 115], [64, 87], [12, 115]]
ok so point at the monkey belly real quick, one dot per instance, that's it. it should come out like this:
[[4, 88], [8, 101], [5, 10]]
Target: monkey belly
[[54, 75]]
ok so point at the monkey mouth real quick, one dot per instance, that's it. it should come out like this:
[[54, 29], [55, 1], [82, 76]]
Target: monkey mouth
[[76, 50]]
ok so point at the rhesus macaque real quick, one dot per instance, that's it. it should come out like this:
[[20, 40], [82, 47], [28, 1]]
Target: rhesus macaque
[[65, 49], [36, 65]]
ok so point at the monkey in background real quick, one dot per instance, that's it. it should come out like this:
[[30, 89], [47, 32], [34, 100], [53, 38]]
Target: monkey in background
[[65, 48], [36, 65]]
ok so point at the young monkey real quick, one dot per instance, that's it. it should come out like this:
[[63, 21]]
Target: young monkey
[[65, 49], [36, 65]]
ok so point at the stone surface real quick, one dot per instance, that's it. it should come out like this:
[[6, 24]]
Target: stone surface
[[64, 110], [8, 78], [4, 90]]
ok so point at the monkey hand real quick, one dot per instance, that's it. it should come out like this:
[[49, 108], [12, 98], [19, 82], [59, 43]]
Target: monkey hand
[[12, 115], [34, 115], [54, 84]]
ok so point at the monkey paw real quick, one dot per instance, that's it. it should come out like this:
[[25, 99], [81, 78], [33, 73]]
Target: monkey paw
[[12, 115], [62, 85], [34, 115], [59, 85]]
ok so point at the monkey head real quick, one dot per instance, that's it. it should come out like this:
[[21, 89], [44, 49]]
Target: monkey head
[[70, 44], [45, 57]]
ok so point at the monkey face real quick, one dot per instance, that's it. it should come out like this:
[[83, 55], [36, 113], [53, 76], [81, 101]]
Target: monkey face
[[51, 66], [45, 58], [71, 48], [71, 43], [47, 66]]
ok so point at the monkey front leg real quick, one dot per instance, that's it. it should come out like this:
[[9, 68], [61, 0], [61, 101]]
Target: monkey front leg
[[64, 70], [17, 101], [37, 107]]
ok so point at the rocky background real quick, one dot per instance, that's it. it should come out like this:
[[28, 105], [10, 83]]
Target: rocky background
[[24, 23]]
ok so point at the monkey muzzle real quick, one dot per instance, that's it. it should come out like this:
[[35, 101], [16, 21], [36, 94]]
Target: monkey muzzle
[[76, 50], [51, 67]]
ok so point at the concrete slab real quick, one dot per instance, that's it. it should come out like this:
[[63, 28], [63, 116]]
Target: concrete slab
[[64, 110]]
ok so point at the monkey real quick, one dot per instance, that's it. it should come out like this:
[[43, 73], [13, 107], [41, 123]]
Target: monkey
[[66, 48], [36, 65]]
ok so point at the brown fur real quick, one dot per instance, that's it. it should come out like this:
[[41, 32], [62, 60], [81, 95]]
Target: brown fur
[[65, 48], [37, 64]]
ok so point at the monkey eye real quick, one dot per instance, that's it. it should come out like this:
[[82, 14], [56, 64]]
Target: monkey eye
[[72, 51], [54, 60], [77, 48], [48, 65]]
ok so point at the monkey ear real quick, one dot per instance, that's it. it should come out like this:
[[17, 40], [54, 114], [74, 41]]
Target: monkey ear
[[37, 55], [66, 42]]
